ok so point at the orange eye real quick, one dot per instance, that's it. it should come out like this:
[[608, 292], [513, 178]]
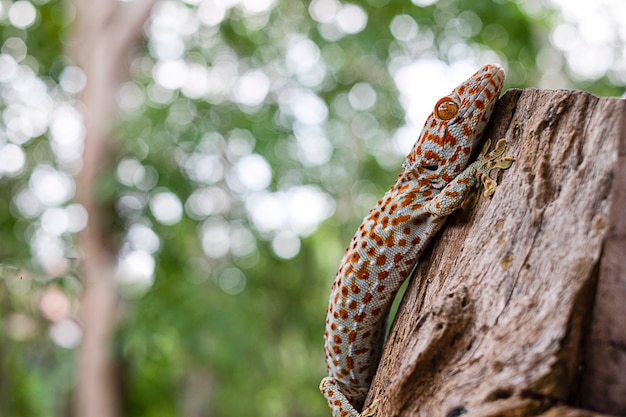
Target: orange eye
[[446, 108]]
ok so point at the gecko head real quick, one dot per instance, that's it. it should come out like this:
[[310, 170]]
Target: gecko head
[[453, 129]]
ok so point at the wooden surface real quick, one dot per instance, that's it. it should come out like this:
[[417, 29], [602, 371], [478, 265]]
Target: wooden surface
[[519, 305]]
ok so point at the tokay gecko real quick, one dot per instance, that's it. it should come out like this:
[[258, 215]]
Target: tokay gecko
[[435, 180]]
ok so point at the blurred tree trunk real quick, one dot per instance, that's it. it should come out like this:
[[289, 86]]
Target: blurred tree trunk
[[106, 33], [517, 308]]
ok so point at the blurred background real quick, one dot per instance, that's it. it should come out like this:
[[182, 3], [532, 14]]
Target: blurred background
[[179, 179]]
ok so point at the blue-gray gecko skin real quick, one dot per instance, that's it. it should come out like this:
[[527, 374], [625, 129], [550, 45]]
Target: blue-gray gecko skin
[[435, 180]]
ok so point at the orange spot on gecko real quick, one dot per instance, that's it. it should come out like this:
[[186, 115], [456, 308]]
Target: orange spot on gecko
[[454, 157], [448, 139], [423, 181], [430, 155], [359, 317], [397, 258], [467, 131], [363, 272], [367, 297], [403, 188], [349, 362], [361, 351], [352, 337], [390, 241], [381, 259], [382, 275], [337, 339], [408, 199], [353, 305], [400, 219]]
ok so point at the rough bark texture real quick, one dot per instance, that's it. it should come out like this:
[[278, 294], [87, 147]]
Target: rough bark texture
[[106, 33], [518, 307]]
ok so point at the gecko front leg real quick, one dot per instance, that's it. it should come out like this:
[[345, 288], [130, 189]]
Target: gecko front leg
[[456, 193]]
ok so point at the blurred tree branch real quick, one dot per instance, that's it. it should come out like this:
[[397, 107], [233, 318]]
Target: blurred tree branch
[[104, 37]]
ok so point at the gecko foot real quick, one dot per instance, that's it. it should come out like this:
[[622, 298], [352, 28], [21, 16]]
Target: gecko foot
[[490, 161]]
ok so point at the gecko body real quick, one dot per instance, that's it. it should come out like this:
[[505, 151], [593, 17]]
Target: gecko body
[[435, 180]]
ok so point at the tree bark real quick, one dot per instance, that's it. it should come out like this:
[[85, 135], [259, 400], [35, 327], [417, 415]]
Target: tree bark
[[105, 35], [518, 307]]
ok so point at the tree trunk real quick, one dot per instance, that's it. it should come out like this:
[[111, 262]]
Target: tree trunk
[[106, 33], [518, 308]]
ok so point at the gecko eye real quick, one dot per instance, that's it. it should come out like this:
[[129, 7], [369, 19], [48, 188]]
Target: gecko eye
[[430, 167], [446, 108]]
